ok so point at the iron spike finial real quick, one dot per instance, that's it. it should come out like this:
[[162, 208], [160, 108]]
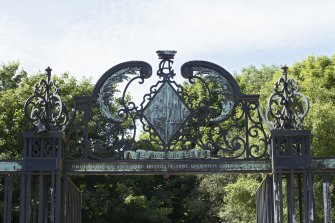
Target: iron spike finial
[[285, 68], [48, 70]]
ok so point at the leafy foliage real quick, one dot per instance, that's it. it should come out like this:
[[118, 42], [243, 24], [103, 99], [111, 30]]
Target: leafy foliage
[[12, 119], [11, 76], [206, 198]]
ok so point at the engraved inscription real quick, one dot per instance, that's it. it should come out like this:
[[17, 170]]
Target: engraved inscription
[[159, 166], [147, 154]]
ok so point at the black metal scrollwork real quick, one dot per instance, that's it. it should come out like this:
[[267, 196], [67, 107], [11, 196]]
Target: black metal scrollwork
[[113, 113], [286, 106], [206, 117], [45, 109]]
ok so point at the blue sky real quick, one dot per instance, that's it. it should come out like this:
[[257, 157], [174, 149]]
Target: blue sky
[[86, 38]]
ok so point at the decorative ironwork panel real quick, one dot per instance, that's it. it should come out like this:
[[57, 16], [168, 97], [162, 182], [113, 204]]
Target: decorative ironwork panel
[[166, 112], [45, 109], [205, 117], [287, 107]]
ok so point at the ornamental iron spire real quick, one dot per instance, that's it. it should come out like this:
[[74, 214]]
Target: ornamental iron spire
[[45, 109], [286, 106]]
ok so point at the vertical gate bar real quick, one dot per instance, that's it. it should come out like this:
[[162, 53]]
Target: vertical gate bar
[[87, 108], [290, 197], [326, 198], [259, 205], [75, 197], [77, 206], [58, 199], [281, 206], [275, 198], [7, 214], [246, 110], [310, 195], [292, 189], [28, 205], [52, 199], [23, 189], [46, 198], [41, 199], [271, 208], [65, 205], [300, 198], [23, 192], [34, 198], [81, 206], [305, 191], [72, 202]]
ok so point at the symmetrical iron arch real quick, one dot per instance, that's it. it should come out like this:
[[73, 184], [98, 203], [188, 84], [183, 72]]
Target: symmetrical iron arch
[[185, 118], [219, 130]]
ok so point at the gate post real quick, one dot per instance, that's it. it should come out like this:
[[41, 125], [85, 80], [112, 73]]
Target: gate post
[[326, 179], [291, 161], [41, 179], [8, 194], [41, 193], [290, 152]]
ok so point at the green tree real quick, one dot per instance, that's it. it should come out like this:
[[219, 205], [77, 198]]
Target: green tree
[[207, 198], [316, 78], [10, 75], [13, 96], [240, 205]]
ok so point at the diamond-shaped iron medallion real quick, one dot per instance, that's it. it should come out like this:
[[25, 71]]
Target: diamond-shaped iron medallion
[[166, 113]]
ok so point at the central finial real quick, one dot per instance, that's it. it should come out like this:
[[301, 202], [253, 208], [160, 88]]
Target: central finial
[[285, 68], [48, 70], [165, 70], [166, 54]]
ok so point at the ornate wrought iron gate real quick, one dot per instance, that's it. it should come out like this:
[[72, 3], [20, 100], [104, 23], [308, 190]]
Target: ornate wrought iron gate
[[206, 125]]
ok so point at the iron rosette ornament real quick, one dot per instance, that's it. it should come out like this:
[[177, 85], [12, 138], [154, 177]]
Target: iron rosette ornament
[[45, 109], [287, 107]]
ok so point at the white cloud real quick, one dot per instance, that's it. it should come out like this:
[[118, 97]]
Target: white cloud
[[88, 37]]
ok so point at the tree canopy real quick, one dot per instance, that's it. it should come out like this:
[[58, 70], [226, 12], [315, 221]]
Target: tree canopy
[[189, 198]]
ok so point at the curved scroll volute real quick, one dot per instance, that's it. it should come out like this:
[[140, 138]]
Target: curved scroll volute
[[106, 87], [227, 87]]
